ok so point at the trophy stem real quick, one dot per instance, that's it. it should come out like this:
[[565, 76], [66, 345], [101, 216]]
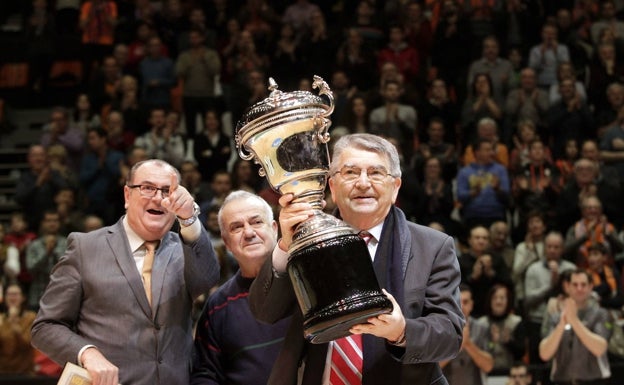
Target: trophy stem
[[313, 197]]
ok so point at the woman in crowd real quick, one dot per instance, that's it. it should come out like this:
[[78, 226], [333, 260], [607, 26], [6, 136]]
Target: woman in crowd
[[16, 353], [507, 333]]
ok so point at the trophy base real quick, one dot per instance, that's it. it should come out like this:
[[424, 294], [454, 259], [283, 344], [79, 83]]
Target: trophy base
[[336, 287], [335, 323]]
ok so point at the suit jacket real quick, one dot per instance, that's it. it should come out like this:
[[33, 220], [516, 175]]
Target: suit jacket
[[431, 277], [96, 297]]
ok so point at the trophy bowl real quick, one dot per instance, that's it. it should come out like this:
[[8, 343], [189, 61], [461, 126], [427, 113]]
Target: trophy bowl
[[329, 265]]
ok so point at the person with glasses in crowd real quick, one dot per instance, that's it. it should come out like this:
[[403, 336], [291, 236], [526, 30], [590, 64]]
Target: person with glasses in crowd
[[119, 300], [416, 265]]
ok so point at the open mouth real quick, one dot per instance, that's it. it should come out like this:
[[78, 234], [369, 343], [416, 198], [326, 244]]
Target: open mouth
[[155, 212]]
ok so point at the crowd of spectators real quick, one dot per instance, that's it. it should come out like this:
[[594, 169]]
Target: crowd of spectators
[[508, 115]]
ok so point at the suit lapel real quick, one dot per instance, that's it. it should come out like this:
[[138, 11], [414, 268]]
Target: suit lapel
[[128, 267]]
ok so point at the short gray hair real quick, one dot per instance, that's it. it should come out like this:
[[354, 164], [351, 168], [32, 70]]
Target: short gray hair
[[241, 195], [367, 142]]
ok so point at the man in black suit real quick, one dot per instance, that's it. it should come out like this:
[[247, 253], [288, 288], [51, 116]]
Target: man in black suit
[[417, 266]]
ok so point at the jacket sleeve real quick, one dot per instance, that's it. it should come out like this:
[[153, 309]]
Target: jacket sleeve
[[434, 332]]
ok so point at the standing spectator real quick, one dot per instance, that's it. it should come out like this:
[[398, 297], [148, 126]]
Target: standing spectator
[[57, 159], [526, 133], [436, 197], [17, 356], [212, 148], [394, 119], [111, 280], [357, 116], [577, 334], [98, 19], [605, 68], [500, 243], [286, 58], [366, 22], [479, 104], [545, 56], [42, 254], [298, 15], [507, 331], [529, 250], [156, 74], [104, 86], [357, 59], [40, 31], [128, 104], [449, 62], [9, 260], [605, 278], [481, 268], [37, 186], [527, 102], [161, 142], [20, 237], [99, 173], [397, 51], [245, 176], [607, 115], [198, 69], [585, 183], [483, 188], [498, 68], [230, 345], [566, 70], [608, 19], [60, 131], [191, 179], [570, 118], [439, 104], [118, 137], [612, 144], [592, 228], [436, 146], [535, 187], [319, 38], [473, 361], [487, 129], [541, 280], [418, 31], [85, 116]]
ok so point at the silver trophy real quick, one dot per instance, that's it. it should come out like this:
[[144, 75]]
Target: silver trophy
[[329, 266]]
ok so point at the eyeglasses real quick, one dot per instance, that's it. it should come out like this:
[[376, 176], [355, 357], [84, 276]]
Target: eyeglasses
[[374, 174], [149, 191]]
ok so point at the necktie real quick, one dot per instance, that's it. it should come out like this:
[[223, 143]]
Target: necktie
[[346, 361], [365, 235], [146, 272], [346, 356]]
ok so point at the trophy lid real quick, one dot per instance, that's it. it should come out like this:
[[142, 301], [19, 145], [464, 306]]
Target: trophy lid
[[279, 102]]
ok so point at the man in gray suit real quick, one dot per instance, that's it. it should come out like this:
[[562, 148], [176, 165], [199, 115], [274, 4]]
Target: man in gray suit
[[416, 265], [106, 310]]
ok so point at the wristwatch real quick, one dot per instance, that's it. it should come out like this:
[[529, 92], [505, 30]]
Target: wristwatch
[[189, 221]]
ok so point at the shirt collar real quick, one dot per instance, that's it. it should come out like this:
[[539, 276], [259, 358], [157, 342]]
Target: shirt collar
[[133, 238], [375, 231]]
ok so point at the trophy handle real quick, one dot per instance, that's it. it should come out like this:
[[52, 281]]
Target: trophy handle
[[321, 122], [241, 149]]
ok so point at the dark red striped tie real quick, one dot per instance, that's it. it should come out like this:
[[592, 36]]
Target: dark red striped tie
[[346, 361]]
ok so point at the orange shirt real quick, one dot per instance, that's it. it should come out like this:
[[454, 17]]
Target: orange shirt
[[98, 28]]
